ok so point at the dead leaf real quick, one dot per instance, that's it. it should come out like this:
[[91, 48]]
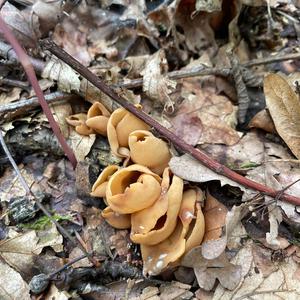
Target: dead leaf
[[280, 284], [156, 84], [17, 251], [190, 169], [11, 96], [190, 30], [263, 260], [12, 286], [175, 290], [215, 215], [263, 121], [20, 25], [60, 112], [213, 116], [81, 145], [48, 12], [284, 108], [20, 250], [209, 6], [67, 79], [11, 186], [207, 271]]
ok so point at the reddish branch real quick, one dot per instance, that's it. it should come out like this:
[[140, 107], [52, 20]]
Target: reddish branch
[[199, 155], [27, 65]]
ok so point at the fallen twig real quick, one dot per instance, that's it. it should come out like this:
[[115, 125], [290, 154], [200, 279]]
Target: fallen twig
[[199, 155], [27, 65], [34, 101]]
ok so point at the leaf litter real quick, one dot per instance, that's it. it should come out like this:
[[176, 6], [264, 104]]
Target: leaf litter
[[166, 37]]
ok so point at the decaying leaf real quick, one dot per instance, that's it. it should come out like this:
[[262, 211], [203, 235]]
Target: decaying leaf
[[284, 107], [282, 283], [263, 121], [20, 250], [207, 271], [11, 186], [209, 6], [215, 215], [60, 112], [11, 96], [81, 145], [67, 79], [12, 286], [156, 84], [212, 116], [19, 23], [190, 169]]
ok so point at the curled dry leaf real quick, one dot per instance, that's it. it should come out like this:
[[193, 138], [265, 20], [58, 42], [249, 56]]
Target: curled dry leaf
[[263, 121], [157, 85], [67, 79], [284, 107]]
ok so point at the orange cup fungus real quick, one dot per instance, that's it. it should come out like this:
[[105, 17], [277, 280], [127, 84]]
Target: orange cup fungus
[[165, 217]]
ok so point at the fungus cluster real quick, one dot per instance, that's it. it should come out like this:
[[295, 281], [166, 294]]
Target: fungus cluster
[[163, 214]]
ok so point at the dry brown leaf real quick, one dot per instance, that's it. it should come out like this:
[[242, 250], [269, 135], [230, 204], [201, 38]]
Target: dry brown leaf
[[283, 283], [215, 215], [284, 107], [212, 117], [12, 286], [157, 85], [21, 25], [60, 112], [11, 96], [67, 79], [190, 169], [207, 271], [81, 145], [263, 121]]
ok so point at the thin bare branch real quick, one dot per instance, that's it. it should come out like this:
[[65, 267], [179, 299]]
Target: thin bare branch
[[27, 65]]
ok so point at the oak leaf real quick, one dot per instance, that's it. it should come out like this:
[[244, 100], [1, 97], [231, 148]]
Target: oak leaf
[[284, 108]]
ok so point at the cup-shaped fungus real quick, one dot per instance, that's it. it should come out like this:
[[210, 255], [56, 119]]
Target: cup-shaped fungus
[[148, 150], [97, 118], [116, 220], [120, 124], [158, 257], [132, 189], [196, 230], [79, 122], [154, 224], [99, 187]]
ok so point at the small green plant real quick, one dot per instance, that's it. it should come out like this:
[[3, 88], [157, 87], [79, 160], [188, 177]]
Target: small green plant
[[44, 222]]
